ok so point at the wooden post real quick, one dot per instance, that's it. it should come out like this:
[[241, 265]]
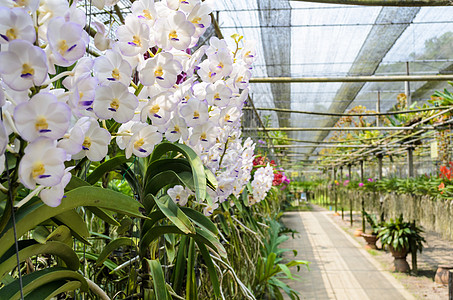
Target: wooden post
[[410, 162], [407, 89], [342, 198], [414, 252], [350, 198], [379, 157], [450, 285], [378, 108], [363, 198]]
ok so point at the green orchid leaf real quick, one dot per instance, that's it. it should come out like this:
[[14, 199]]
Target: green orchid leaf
[[113, 245], [160, 288]]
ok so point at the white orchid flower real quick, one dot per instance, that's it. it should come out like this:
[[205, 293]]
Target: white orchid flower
[[15, 24], [133, 37], [53, 195], [145, 10], [205, 135], [72, 141], [49, 9], [82, 69], [183, 5], [218, 94], [194, 112], [23, 65], [67, 40], [115, 101], [101, 40], [125, 133], [112, 67], [174, 32], [42, 163], [161, 69], [143, 141], [4, 139], [44, 116], [229, 116], [178, 194], [209, 209], [176, 129], [200, 18], [95, 143], [159, 108], [216, 45]]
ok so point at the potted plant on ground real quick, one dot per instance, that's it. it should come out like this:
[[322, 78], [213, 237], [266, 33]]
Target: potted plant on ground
[[400, 237], [371, 238]]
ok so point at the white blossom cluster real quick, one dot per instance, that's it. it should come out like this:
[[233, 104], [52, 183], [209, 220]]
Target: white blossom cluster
[[261, 183], [147, 80]]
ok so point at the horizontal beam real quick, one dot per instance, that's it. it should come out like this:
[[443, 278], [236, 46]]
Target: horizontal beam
[[323, 146], [340, 128], [352, 79], [385, 2], [346, 114]]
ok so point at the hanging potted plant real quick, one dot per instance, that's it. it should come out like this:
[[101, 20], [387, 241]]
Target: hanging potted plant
[[400, 236], [371, 238]]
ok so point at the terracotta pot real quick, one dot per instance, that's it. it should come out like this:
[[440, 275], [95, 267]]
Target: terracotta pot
[[370, 240], [399, 263], [358, 232], [442, 274]]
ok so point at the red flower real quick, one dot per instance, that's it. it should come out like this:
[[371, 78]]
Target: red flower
[[278, 178], [441, 187]]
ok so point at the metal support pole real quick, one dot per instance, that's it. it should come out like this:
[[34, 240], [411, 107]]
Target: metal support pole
[[378, 108], [363, 198], [350, 198], [414, 253], [407, 88], [341, 199], [379, 157], [361, 171], [410, 162]]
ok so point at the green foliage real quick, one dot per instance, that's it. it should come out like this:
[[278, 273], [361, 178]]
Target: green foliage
[[401, 235]]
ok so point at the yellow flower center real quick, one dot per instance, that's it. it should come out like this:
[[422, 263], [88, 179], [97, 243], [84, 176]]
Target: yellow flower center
[[11, 34], [176, 128], [115, 104], [20, 3], [173, 35], [239, 79], [196, 114], [38, 169], [27, 70], [41, 123], [139, 143], [217, 96], [196, 20], [62, 46], [147, 14], [227, 117], [116, 74], [221, 65], [155, 109], [158, 72], [86, 143], [136, 40], [178, 198], [203, 136], [80, 95]]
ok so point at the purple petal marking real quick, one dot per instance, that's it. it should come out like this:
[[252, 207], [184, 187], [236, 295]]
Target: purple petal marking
[[44, 130], [229, 121], [174, 131], [86, 103], [89, 109], [112, 109], [64, 196], [44, 176], [157, 116], [142, 150], [85, 148], [4, 37], [250, 55], [213, 74], [132, 43], [197, 68], [196, 118], [71, 48], [159, 77], [204, 140], [141, 17], [220, 67], [174, 39], [184, 2], [218, 99], [243, 81], [201, 25], [111, 78], [26, 75]]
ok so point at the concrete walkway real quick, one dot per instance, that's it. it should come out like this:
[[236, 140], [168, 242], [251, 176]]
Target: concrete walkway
[[340, 268]]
